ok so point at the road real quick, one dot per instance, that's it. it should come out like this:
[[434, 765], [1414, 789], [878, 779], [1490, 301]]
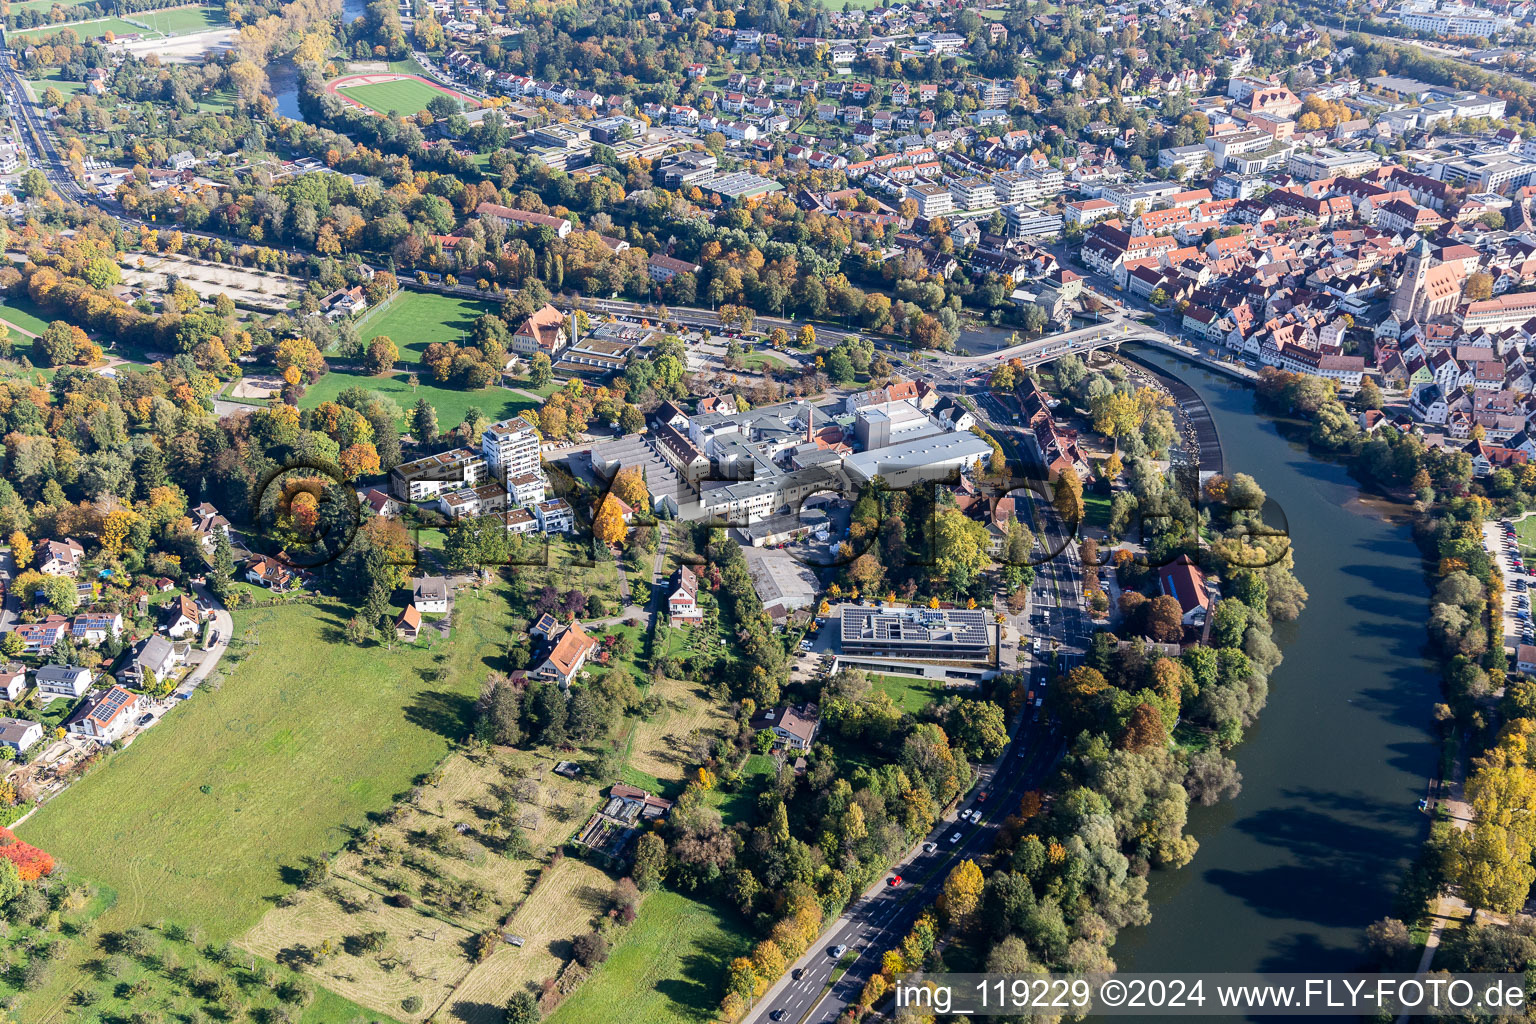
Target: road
[[223, 629], [883, 915]]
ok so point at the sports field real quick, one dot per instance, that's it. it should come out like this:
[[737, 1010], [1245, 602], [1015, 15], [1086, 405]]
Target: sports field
[[44, 5], [174, 21], [413, 320], [406, 95]]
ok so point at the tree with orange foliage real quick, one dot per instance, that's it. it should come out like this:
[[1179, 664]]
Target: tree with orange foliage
[[608, 525]]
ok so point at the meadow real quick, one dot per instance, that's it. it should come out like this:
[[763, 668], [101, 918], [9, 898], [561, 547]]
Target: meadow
[[21, 311], [285, 760], [668, 969], [451, 404]]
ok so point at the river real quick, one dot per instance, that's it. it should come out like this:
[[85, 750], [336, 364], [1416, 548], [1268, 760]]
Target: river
[[1290, 873], [283, 76]]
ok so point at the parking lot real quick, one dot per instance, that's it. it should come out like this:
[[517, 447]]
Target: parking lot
[[1499, 539]]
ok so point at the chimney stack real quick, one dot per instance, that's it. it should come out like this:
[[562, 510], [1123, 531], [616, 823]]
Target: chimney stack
[[810, 423]]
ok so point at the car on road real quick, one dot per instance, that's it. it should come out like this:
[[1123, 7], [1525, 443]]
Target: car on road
[[954, 839], [930, 847], [894, 881], [797, 973], [777, 1015], [838, 950]]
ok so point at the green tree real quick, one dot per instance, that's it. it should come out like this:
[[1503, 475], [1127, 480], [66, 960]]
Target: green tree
[[539, 371], [522, 1009], [650, 862], [424, 422], [58, 345]]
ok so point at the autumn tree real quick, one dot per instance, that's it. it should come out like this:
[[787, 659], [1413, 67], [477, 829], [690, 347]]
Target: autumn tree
[[1165, 619], [608, 524], [630, 488], [300, 354], [382, 353], [1492, 859], [21, 549], [1068, 496], [962, 892]]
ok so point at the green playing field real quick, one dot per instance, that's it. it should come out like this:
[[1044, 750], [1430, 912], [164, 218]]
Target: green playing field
[[403, 96]]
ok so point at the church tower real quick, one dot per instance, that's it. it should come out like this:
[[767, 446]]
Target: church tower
[[1408, 300]]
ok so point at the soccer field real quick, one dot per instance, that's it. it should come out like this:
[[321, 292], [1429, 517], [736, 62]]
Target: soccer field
[[407, 96], [175, 21], [151, 25], [415, 320]]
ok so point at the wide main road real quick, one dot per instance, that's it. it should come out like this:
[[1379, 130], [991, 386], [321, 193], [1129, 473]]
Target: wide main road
[[883, 916], [880, 918]]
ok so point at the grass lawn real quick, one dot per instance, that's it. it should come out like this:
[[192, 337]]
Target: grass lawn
[[417, 319], [182, 21], [1096, 509], [910, 693], [54, 78], [20, 311], [402, 96], [737, 805], [203, 819], [44, 5], [496, 402], [763, 361], [524, 384], [1525, 532], [84, 30], [669, 968]]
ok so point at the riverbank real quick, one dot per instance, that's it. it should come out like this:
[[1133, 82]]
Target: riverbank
[[1313, 851]]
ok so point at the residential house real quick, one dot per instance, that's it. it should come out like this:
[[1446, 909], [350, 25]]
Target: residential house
[[19, 734], [60, 557], [1184, 581], [793, 726], [183, 618], [430, 594], [408, 625], [156, 655], [55, 681], [107, 717], [569, 649], [270, 573], [683, 601], [13, 680], [554, 516], [38, 638], [95, 627], [207, 524]]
